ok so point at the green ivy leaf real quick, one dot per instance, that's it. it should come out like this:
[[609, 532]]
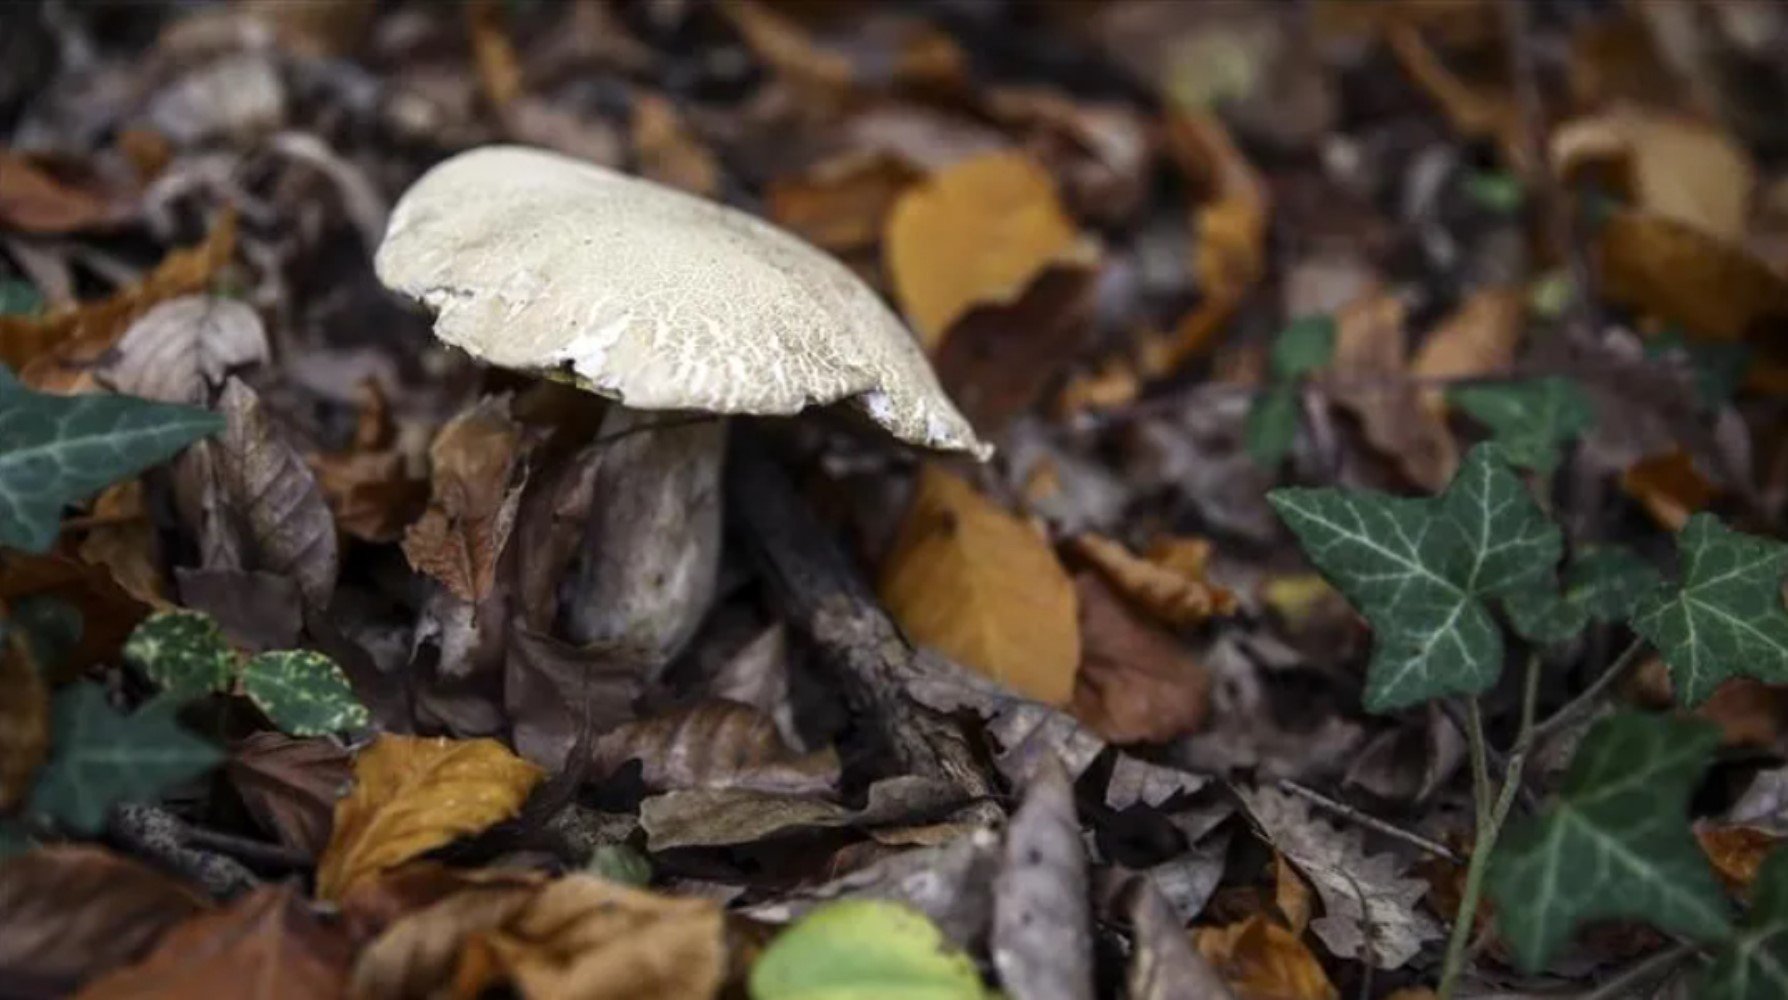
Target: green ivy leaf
[[1726, 617], [1608, 582], [99, 758], [18, 298], [55, 450], [50, 626], [1419, 569], [620, 863], [1304, 346], [1540, 614], [183, 652], [1616, 844], [303, 692], [1754, 964], [1272, 425], [856, 949], [1530, 419]]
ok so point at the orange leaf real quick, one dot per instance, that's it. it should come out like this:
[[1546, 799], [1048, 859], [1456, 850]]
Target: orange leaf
[[1737, 852], [1261, 960], [1479, 338], [412, 795], [1714, 288], [976, 582], [36, 200], [499, 69], [121, 538], [1169, 584], [1668, 486], [668, 152], [842, 204], [24, 719], [1291, 894]]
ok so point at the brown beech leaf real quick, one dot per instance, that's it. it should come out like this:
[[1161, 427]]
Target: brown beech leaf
[[375, 904], [71, 912], [279, 515], [841, 204], [181, 350], [998, 358], [412, 795], [121, 538], [476, 460], [667, 151], [1136, 683], [1669, 166], [1736, 852], [1260, 960], [1670, 269], [369, 485], [36, 199], [974, 581], [1668, 486], [267, 945], [1168, 584], [716, 744], [1371, 357], [108, 613], [291, 786], [553, 692], [1479, 338], [24, 719], [980, 231]]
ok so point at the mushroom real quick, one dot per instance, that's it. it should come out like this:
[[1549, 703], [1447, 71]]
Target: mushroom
[[660, 301]]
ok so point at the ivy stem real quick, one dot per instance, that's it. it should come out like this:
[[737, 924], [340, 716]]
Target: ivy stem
[[1589, 698], [1490, 818]]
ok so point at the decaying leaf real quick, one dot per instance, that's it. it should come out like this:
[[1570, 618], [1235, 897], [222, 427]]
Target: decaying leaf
[[476, 461], [1136, 683], [1371, 355], [555, 692], [123, 540], [1164, 965], [978, 232], [974, 581], [1670, 269], [499, 68], [716, 744], [36, 199], [181, 350], [1736, 852], [719, 817], [108, 613], [1671, 167], [1261, 960], [412, 795], [370, 485], [291, 786], [273, 502], [1041, 929], [1168, 583], [998, 358]]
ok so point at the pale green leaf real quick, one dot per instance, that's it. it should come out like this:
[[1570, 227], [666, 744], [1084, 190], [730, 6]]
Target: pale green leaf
[[1615, 845], [55, 450], [1305, 345], [864, 950], [1753, 965], [1272, 425], [1419, 570], [1725, 618], [1531, 419], [182, 652], [99, 758], [303, 692]]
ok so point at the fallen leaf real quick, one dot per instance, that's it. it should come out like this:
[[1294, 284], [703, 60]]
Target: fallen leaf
[[716, 744], [555, 692], [667, 152], [864, 948], [100, 757], [72, 911], [290, 786], [275, 508], [256, 611], [1291, 894], [1168, 584], [24, 719], [1041, 940], [1669, 487], [476, 465], [840, 204], [969, 578], [1477, 109], [107, 611], [369, 484], [978, 232], [1367, 377], [1750, 713], [265, 945], [1101, 151], [181, 350], [423, 914], [412, 795], [781, 42], [1261, 960], [1479, 338], [997, 359], [719, 817], [35, 199], [1164, 965], [121, 538], [494, 55], [1737, 853], [1714, 289], [1671, 167], [1136, 683]]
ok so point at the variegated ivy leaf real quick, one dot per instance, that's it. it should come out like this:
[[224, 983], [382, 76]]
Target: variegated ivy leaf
[[1726, 617], [55, 450], [1754, 964], [183, 652], [304, 693], [1530, 419], [1420, 570], [1616, 844]]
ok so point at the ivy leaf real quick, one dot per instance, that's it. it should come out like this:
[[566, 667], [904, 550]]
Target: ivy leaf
[[1272, 425], [1608, 582], [1616, 844], [100, 758], [1304, 346], [1530, 419], [1419, 569], [1542, 615], [303, 692], [55, 450], [864, 948], [1726, 617], [183, 652], [1754, 964]]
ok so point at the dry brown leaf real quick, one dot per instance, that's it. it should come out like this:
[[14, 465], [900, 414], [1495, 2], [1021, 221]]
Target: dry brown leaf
[[1748, 712], [55, 352], [1101, 151], [1479, 338], [108, 613], [369, 485], [71, 912], [499, 69], [1136, 683], [24, 720], [1670, 167], [1168, 584], [1368, 377], [1477, 109], [278, 515], [181, 350], [121, 538], [1292, 895], [972, 580], [716, 744], [787, 47], [841, 204], [668, 152], [998, 359], [291, 786], [979, 231], [34, 199], [1668, 486], [1261, 960], [412, 795], [476, 460], [1737, 852], [267, 945], [1670, 269]]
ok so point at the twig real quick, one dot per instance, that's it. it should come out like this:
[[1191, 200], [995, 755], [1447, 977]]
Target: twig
[[254, 852], [1589, 697], [1626, 982], [1361, 818]]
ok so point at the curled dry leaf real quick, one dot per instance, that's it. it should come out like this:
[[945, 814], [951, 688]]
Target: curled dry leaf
[[983, 587], [1042, 944], [24, 719], [716, 744], [1736, 852], [1263, 961], [37, 199], [1366, 377], [412, 795], [71, 912], [274, 505], [181, 350], [267, 945], [1715, 289], [1136, 683], [1479, 338], [977, 232], [1168, 583], [476, 472], [425, 918], [720, 817], [1670, 166], [290, 786], [122, 539], [369, 485], [999, 358]]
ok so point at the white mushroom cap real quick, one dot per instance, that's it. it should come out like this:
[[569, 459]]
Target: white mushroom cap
[[537, 262]]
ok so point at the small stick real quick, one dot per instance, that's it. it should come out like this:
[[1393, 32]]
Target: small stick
[[1371, 822]]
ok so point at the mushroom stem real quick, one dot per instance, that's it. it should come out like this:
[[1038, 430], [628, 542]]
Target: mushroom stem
[[651, 549]]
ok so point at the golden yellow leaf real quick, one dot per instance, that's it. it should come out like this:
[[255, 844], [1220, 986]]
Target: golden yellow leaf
[[1479, 338], [977, 232], [1669, 166], [1714, 288], [976, 582], [1168, 584], [1261, 960], [1368, 378], [412, 795]]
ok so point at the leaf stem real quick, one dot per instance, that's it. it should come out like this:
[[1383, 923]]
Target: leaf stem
[[1590, 696]]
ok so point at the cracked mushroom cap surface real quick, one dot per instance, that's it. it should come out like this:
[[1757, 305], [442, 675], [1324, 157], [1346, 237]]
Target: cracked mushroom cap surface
[[537, 262]]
